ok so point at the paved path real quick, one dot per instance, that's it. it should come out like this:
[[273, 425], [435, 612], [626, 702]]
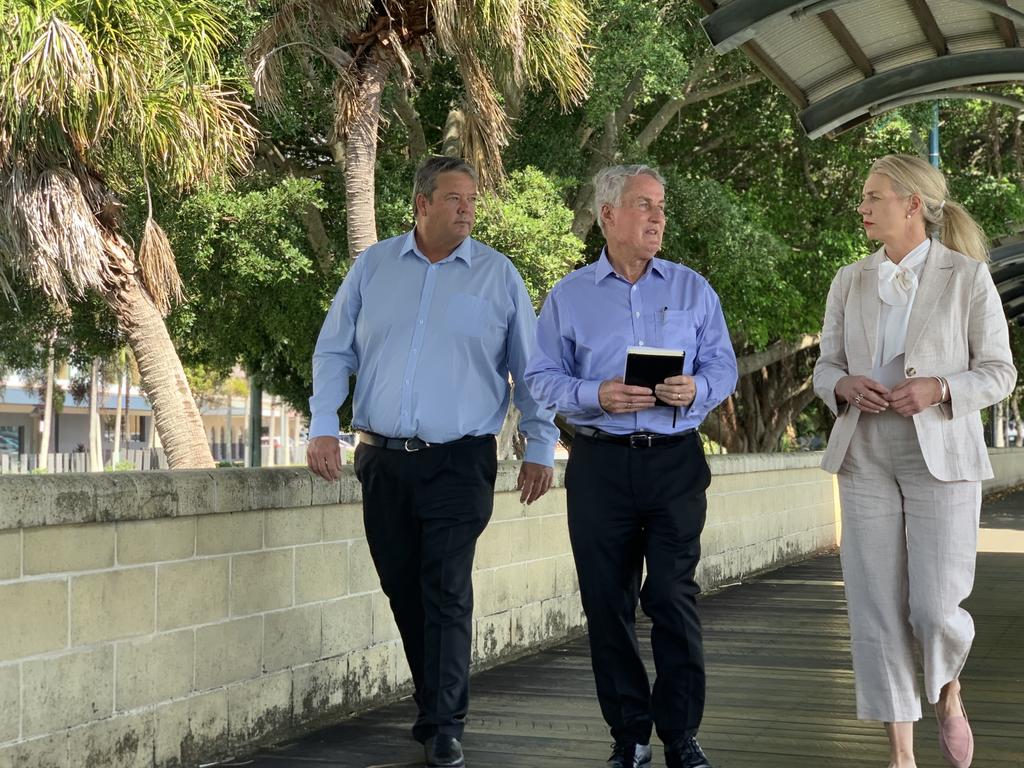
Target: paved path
[[780, 689]]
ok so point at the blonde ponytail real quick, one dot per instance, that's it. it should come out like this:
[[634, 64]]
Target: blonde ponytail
[[962, 233], [943, 219]]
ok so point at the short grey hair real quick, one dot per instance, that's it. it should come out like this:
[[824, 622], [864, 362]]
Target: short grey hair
[[609, 183], [426, 175]]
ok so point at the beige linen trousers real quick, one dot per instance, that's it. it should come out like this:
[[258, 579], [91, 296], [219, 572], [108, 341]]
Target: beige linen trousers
[[910, 488]]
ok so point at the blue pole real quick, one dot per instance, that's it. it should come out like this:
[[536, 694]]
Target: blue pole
[[933, 155]]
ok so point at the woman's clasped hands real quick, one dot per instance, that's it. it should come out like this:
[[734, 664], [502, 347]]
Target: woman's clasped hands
[[907, 398]]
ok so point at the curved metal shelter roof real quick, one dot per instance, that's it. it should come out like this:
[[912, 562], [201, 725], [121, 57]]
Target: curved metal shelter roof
[[843, 61], [1007, 265]]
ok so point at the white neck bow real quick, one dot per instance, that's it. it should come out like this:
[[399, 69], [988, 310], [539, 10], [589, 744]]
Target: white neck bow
[[897, 287]]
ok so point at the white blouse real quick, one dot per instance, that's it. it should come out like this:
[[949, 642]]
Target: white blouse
[[897, 288]]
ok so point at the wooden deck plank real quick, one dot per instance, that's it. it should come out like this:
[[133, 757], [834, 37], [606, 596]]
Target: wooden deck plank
[[780, 687]]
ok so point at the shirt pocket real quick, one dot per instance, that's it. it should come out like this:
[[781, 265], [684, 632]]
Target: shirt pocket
[[675, 329], [468, 315]]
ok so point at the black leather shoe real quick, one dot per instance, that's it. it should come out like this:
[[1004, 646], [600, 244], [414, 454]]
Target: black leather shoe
[[629, 755], [443, 751], [686, 754]]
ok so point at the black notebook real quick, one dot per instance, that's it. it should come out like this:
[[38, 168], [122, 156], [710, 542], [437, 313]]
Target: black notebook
[[647, 366]]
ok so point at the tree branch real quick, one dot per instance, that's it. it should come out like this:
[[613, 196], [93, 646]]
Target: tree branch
[[602, 155], [774, 353], [407, 113], [669, 109]]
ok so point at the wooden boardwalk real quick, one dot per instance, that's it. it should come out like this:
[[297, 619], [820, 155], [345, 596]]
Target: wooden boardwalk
[[780, 689]]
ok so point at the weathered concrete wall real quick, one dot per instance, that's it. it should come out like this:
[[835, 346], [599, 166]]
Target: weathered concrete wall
[[164, 619], [1008, 465]]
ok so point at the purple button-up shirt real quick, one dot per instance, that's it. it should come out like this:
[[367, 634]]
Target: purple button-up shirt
[[591, 317]]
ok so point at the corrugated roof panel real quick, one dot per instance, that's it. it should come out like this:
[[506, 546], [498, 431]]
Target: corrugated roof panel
[[893, 59], [977, 41], [881, 27], [956, 18], [835, 82], [804, 50]]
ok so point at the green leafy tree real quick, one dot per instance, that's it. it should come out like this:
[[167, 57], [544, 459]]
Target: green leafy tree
[[500, 49]]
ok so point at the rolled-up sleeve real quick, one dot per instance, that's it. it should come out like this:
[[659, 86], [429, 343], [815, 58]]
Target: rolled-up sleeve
[[536, 421], [714, 370], [550, 374], [335, 358]]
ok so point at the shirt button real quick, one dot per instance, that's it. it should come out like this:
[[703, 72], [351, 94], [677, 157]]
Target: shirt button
[[911, 372], [638, 314], [641, 343], [633, 288], [421, 322]]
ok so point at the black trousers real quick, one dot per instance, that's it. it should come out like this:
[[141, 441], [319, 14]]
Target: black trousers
[[423, 513], [627, 505]]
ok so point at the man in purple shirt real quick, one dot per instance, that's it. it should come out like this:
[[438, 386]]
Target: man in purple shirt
[[637, 476]]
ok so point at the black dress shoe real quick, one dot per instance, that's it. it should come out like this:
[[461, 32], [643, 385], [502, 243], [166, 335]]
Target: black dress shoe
[[628, 755], [443, 751], [686, 754]]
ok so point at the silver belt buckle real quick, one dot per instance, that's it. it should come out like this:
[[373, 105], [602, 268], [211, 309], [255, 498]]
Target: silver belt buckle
[[636, 441], [409, 449]]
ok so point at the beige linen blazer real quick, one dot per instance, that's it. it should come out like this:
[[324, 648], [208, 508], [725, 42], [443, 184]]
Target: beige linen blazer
[[957, 330]]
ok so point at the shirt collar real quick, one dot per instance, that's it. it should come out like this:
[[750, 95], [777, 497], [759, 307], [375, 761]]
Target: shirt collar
[[603, 267], [917, 256], [464, 250]]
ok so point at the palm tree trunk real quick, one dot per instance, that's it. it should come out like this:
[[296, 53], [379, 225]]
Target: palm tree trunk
[[44, 442], [1015, 410], [175, 413], [361, 156], [246, 450], [231, 431], [95, 440], [116, 457]]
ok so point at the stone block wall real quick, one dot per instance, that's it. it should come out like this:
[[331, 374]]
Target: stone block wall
[[172, 618]]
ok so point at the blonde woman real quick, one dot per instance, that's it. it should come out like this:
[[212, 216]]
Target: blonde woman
[[914, 345]]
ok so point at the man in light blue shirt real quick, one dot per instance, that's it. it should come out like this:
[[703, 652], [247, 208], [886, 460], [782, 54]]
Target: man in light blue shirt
[[432, 323], [637, 476]]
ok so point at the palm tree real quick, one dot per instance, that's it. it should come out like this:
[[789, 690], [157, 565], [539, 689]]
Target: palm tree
[[92, 92], [500, 46]]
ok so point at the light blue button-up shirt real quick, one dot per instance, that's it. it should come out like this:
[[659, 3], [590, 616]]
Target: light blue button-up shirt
[[432, 347], [594, 314]]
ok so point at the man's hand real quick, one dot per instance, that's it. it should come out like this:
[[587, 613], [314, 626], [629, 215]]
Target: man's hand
[[616, 397], [862, 393], [914, 395], [323, 456], [677, 390], [534, 481]]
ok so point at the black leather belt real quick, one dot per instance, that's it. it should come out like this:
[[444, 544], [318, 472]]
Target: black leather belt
[[411, 444], [636, 439]]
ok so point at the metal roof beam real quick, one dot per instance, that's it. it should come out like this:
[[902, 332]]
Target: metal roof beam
[[1007, 29], [740, 21], [847, 42], [997, 8], [977, 67], [930, 27]]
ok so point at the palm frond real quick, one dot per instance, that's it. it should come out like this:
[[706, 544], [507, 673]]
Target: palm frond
[[159, 272], [486, 128], [48, 220], [297, 27], [84, 83]]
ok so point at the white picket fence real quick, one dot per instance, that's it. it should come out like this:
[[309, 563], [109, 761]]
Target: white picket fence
[[58, 463]]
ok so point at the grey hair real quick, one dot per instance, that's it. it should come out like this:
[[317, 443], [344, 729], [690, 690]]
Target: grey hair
[[609, 183], [426, 175]]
